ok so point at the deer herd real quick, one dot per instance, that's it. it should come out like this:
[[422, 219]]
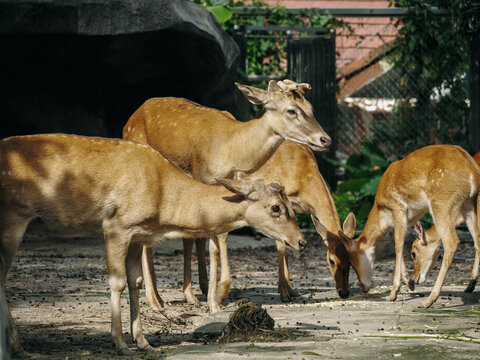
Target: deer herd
[[185, 171]]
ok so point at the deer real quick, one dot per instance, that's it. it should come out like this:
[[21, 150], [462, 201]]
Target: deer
[[426, 249], [442, 179], [131, 194], [295, 167], [206, 144]]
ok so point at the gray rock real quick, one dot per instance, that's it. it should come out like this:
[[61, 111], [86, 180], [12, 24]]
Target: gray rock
[[86, 66]]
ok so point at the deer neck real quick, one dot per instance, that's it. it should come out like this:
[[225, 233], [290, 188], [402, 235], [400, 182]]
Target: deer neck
[[375, 227], [214, 211], [252, 143], [322, 204]]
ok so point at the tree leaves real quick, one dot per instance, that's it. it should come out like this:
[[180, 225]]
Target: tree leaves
[[221, 13]]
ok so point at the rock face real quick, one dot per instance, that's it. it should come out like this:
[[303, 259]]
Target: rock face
[[85, 66]]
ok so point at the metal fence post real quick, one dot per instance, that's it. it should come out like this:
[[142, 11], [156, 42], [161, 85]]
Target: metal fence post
[[474, 89]]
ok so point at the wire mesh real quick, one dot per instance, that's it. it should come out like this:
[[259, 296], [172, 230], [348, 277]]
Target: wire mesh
[[375, 102]]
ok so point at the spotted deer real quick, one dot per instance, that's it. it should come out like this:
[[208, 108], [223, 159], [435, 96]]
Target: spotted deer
[[206, 144], [426, 249], [294, 166], [442, 179], [131, 194]]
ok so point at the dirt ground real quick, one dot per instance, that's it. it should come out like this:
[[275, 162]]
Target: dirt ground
[[59, 296]]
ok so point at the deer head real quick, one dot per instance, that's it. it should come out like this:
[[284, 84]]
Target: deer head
[[289, 114], [269, 210], [425, 251], [337, 255]]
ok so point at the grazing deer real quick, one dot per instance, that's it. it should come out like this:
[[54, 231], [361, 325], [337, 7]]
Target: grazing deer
[[207, 144], [294, 165], [134, 196], [442, 179], [426, 249]]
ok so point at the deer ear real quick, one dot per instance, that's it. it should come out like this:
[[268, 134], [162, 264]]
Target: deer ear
[[242, 176], [240, 187], [421, 233], [349, 225], [349, 244], [254, 95], [322, 230], [236, 186]]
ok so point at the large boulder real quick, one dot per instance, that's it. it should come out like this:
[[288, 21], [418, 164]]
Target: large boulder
[[85, 66]]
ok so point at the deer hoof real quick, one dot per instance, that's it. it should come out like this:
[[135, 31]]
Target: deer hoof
[[471, 286], [411, 284], [392, 296], [124, 351]]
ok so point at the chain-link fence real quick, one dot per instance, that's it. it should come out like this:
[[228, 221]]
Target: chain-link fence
[[398, 100], [394, 106]]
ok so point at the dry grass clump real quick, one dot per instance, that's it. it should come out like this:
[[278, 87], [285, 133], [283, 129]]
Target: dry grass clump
[[251, 322]]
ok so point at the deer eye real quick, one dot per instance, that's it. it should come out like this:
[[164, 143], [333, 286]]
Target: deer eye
[[275, 208], [414, 256], [331, 262], [291, 112]]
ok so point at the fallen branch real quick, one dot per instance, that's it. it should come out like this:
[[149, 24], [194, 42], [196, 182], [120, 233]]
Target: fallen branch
[[429, 336], [465, 313]]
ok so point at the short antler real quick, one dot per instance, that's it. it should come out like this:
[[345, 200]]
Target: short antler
[[289, 85]]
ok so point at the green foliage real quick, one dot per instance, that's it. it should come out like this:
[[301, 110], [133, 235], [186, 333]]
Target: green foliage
[[431, 52], [267, 56], [362, 174], [304, 221], [219, 9]]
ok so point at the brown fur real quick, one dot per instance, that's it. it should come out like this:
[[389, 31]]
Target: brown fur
[[133, 195], [206, 144], [441, 178], [426, 248]]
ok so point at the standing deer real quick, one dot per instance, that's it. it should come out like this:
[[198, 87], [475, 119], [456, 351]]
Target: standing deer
[[442, 179], [207, 144], [294, 166], [134, 196], [426, 249]]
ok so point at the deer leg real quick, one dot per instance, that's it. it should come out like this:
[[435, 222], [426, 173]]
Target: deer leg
[[151, 291], [291, 292], [406, 277], [225, 279], [200, 245], [12, 229], [116, 254], [282, 282], [134, 281], [472, 224], [399, 233], [187, 272], [450, 240], [212, 298]]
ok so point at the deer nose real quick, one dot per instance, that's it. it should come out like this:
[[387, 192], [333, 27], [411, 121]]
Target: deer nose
[[343, 293], [365, 288], [302, 244], [325, 141]]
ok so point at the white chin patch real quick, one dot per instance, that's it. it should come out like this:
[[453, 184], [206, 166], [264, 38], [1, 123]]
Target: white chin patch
[[423, 275], [369, 253], [422, 278]]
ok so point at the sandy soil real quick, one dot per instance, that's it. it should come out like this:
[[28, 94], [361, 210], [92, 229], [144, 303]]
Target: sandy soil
[[58, 292]]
